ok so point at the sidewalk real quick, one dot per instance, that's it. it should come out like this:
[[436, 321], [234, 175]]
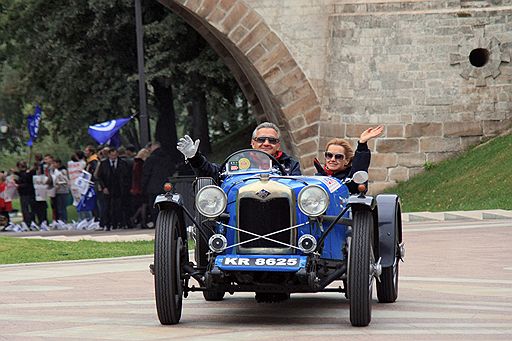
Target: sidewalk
[[149, 234]]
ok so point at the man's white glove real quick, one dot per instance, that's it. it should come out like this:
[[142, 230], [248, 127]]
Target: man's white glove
[[188, 147]]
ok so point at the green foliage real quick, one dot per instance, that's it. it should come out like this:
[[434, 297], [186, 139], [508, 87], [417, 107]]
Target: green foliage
[[477, 179], [77, 59], [21, 250]]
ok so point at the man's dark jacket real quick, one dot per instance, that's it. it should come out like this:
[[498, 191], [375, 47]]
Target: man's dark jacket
[[203, 167], [116, 180], [360, 162]]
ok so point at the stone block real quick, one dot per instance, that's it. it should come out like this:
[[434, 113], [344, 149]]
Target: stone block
[[399, 174], [439, 144], [378, 174], [494, 127], [193, 5], [251, 20], [290, 80], [411, 159], [206, 8], [233, 18], [256, 53], [452, 129], [271, 58], [313, 115], [308, 147], [301, 106], [306, 161], [410, 145], [270, 41], [355, 130], [216, 16], [307, 133], [237, 34], [384, 160], [226, 5], [423, 129], [253, 38], [394, 130], [297, 123], [330, 130], [438, 157], [378, 187], [469, 141]]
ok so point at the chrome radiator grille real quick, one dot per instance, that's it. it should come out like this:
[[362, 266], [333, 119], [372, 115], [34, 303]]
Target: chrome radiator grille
[[263, 217]]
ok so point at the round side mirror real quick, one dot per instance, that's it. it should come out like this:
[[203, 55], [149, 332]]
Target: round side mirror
[[360, 177]]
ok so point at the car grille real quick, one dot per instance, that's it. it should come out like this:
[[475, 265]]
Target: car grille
[[263, 217]]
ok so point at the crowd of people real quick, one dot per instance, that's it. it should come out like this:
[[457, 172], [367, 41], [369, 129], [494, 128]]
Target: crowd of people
[[120, 185]]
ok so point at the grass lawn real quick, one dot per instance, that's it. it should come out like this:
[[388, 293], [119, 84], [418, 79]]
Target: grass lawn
[[478, 179], [20, 250]]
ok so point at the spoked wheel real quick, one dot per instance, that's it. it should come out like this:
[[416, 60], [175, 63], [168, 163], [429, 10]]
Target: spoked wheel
[[387, 288], [168, 260], [360, 273]]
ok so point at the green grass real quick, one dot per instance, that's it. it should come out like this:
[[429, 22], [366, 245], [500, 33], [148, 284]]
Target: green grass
[[20, 250], [478, 179]]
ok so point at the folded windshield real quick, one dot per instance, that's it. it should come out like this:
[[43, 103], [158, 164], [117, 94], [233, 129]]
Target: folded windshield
[[248, 161]]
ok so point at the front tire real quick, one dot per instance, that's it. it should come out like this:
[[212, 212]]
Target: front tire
[[168, 257], [360, 276], [387, 288]]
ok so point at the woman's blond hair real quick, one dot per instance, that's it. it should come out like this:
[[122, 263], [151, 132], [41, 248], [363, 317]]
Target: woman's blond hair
[[349, 152]]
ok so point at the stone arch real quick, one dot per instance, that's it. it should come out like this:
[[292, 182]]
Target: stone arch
[[267, 73]]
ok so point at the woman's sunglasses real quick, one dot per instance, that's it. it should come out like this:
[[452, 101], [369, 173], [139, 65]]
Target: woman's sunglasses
[[329, 155], [271, 140]]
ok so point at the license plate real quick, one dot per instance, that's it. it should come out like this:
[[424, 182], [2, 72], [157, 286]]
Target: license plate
[[273, 262]]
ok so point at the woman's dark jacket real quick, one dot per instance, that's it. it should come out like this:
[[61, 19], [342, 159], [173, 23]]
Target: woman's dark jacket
[[360, 162], [159, 166]]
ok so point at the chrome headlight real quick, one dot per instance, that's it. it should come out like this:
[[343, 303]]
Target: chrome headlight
[[211, 201], [313, 200]]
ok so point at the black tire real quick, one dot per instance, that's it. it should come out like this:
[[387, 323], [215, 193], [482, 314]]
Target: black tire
[[360, 278], [387, 288], [168, 258], [212, 295]]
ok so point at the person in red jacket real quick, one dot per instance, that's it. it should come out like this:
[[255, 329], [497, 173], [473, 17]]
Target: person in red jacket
[[5, 206]]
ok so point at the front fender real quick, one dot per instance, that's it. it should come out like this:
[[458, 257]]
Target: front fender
[[357, 202], [390, 227], [167, 200]]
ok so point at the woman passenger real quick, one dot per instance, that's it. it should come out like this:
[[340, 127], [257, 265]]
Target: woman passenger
[[342, 162]]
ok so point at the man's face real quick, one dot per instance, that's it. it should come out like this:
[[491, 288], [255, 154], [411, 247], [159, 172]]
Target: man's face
[[87, 152], [112, 155], [266, 140], [48, 160]]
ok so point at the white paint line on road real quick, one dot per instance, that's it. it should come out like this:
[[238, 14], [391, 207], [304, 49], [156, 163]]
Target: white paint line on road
[[457, 280]]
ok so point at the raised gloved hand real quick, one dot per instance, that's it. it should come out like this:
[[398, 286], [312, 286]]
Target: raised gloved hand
[[188, 147]]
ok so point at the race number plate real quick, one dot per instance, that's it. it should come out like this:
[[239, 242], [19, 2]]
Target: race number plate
[[262, 262]]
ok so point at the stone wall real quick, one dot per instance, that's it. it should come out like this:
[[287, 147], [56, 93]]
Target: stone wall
[[411, 71]]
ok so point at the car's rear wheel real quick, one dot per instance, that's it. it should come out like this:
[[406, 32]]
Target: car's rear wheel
[[168, 258], [387, 288], [360, 274]]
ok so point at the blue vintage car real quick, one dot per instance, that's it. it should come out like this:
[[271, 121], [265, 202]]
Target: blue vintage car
[[259, 231]]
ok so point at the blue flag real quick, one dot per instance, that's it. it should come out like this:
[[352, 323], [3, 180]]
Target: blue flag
[[102, 132], [87, 202], [33, 125]]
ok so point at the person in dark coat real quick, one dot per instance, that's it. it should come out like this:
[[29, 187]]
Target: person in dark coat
[[139, 199], [266, 137], [112, 177], [157, 168], [340, 160], [26, 191]]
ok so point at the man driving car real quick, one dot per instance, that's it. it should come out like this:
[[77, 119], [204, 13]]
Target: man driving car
[[266, 137]]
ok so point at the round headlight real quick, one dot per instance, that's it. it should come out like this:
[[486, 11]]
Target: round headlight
[[211, 201], [313, 200]]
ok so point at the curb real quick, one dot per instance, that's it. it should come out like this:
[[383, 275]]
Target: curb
[[457, 215]]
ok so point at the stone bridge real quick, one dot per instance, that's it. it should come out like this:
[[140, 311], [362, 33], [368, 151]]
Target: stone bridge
[[436, 73]]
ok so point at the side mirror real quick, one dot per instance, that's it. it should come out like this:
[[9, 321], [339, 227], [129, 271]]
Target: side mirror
[[360, 177]]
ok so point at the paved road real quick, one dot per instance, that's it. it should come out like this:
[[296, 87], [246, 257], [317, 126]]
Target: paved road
[[456, 283]]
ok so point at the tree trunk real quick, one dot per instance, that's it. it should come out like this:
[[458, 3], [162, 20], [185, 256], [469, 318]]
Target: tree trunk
[[165, 131], [199, 118]]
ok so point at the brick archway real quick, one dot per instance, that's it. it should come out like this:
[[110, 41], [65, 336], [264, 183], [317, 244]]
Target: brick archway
[[269, 76]]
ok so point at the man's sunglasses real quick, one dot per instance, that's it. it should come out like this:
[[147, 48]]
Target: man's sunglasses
[[262, 139], [329, 155]]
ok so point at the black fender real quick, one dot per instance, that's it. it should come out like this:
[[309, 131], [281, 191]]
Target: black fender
[[173, 201], [389, 226], [357, 202]]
